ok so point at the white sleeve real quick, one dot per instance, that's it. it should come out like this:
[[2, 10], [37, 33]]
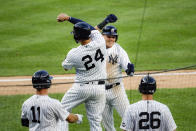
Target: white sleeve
[[24, 111], [170, 124], [124, 58], [97, 36], [127, 121], [68, 63], [60, 112]]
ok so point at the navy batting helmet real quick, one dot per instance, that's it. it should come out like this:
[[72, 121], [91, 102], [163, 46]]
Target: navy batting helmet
[[81, 31], [41, 80], [147, 85], [110, 31]]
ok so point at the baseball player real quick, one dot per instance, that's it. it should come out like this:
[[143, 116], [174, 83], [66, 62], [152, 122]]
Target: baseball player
[[42, 113], [148, 114], [117, 59], [89, 60]]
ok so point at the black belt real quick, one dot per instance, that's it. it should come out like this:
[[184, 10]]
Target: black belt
[[107, 87], [96, 82]]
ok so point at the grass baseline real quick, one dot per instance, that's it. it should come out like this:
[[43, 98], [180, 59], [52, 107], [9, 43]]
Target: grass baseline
[[34, 40], [180, 101]]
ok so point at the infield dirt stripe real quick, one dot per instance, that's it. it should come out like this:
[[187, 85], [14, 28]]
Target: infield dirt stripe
[[181, 79]]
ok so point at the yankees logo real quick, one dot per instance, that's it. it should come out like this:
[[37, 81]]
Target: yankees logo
[[112, 30], [112, 59]]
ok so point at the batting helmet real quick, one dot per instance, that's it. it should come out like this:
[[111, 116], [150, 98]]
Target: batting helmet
[[147, 85], [41, 80], [110, 31], [81, 31]]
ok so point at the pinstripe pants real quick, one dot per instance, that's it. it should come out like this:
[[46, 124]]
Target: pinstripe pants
[[93, 96], [115, 98]]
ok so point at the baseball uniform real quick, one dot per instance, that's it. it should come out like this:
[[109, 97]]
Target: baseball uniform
[[117, 59], [90, 63], [148, 115], [43, 113]]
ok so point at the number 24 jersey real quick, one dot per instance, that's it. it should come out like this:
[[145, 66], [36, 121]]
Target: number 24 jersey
[[89, 60]]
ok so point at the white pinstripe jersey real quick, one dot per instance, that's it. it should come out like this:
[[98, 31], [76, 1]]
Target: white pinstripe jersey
[[117, 59], [43, 113], [148, 116], [89, 60]]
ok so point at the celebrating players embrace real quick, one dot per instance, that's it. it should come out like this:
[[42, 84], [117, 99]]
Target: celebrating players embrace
[[97, 58]]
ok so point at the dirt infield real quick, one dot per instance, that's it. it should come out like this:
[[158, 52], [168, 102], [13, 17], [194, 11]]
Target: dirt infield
[[180, 79]]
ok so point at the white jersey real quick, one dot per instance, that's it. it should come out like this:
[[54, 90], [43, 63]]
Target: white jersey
[[148, 115], [43, 113], [89, 60], [117, 59]]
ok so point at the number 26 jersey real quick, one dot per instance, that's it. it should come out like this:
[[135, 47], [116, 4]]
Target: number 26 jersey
[[148, 115], [89, 60]]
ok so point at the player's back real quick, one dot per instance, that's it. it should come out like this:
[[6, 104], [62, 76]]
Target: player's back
[[89, 60], [150, 115], [40, 111]]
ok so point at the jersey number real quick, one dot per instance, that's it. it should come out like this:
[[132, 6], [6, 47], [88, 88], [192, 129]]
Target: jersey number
[[88, 59], [34, 116], [154, 122]]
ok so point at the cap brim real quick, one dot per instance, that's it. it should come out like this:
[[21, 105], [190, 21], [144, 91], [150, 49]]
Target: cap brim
[[110, 34]]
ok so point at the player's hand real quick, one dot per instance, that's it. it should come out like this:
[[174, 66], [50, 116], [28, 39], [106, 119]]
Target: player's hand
[[79, 118], [62, 17], [130, 69], [111, 18]]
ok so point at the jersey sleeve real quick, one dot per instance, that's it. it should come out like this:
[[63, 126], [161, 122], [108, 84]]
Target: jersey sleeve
[[61, 113], [97, 36], [68, 62], [124, 58], [170, 124], [24, 111], [127, 121]]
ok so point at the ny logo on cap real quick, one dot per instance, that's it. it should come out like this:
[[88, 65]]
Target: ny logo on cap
[[112, 30]]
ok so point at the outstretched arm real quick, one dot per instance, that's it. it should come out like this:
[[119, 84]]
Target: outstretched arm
[[64, 17], [111, 18]]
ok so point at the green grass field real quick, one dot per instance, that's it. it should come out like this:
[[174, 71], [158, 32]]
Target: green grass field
[[180, 101], [31, 39]]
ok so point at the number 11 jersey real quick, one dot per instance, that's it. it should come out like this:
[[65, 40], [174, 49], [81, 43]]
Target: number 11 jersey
[[43, 113], [89, 60]]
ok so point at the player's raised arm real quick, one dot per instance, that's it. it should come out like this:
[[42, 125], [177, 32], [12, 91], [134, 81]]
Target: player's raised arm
[[111, 18], [64, 17]]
